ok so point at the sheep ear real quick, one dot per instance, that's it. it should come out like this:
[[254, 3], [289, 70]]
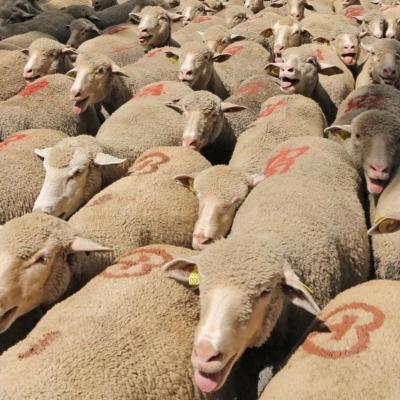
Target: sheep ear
[[359, 18], [278, 3], [267, 32], [255, 179], [297, 292], [134, 18], [25, 51], [183, 270], [79, 245], [221, 57], [175, 106], [107, 159], [68, 50], [329, 69], [230, 107], [385, 224], [338, 132], [117, 70], [93, 18], [175, 16], [273, 69], [95, 29], [187, 181], [72, 73], [172, 56], [236, 37], [309, 6], [42, 153]]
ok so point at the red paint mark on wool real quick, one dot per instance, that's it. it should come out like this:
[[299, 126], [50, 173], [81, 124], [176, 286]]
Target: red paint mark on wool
[[284, 160], [153, 53], [251, 88], [232, 50], [45, 341], [273, 107], [319, 55], [201, 19], [153, 90], [116, 29], [14, 138], [354, 12], [100, 200], [349, 331], [137, 262], [149, 163], [366, 101], [124, 49], [33, 88]]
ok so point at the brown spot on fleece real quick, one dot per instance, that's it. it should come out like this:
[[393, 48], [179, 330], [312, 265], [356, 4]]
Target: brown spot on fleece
[[371, 310], [315, 212], [21, 170]]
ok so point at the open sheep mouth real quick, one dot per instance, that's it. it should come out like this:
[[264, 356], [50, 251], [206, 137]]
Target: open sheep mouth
[[278, 58], [349, 58], [30, 79], [188, 81], [375, 186], [144, 39], [6, 318], [211, 382], [80, 105], [288, 83], [388, 81]]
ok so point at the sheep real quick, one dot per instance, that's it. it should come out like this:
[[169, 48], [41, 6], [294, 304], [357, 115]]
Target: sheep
[[392, 17], [254, 6], [129, 344], [234, 15], [302, 72], [190, 9], [221, 189], [45, 104], [11, 65], [21, 172], [152, 177], [76, 169], [199, 72], [374, 145], [382, 65], [100, 5], [40, 264], [369, 97], [373, 23], [271, 241], [46, 56], [202, 123], [24, 40], [296, 8], [352, 343], [218, 37], [81, 30], [8, 46]]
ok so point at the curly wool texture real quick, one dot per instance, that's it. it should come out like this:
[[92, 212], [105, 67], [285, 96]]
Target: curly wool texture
[[46, 46], [40, 229], [356, 375], [251, 94], [370, 97], [24, 40], [145, 207], [116, 338], [21, 171], [136, 126], [45, 104], [11, 66], [332, 89], [234, 71], [202, 100], [273, 126], [299, 205]]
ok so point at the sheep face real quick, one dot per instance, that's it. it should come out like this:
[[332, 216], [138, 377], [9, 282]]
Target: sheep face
[[217, 38], [254, 6], [99, 5], [192, 9], [82, 30], [393, 28], [347, 47], [374, 26]]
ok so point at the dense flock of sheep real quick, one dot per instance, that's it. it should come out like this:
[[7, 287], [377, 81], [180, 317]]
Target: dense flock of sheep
[[199, 199]]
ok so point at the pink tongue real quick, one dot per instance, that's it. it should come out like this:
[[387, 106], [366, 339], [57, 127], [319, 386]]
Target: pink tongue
[[375, 188], [286, 84], [348, 59], [76, 109], [206, 382]]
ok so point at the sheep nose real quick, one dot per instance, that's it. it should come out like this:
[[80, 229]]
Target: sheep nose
[[349, 47], [200, 241], [75, 93], [379, 168], [278, 48], [142, 29], [191, 143], [288, 69], [204, 352], [187, 72], [295, 15]]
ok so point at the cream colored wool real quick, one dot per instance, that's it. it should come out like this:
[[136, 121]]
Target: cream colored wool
[[22, 173], [145, 207], [251, 94], [201, 23], [8, 46], [297, 206], [234, 71], [122, 47], [281, 117], [59, 4], [145, 121], [370, 97], [332, 90], [25, 39], [11, 66], [358, 359], [45, 104]]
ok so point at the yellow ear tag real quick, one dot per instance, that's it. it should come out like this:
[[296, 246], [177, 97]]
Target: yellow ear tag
[[173, 59], [191, 184], [194, 278], [309, 290], [384, 224]]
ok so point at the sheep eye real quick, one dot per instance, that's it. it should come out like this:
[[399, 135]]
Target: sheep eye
[[42, 259], [295, 32], [264, 293]]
